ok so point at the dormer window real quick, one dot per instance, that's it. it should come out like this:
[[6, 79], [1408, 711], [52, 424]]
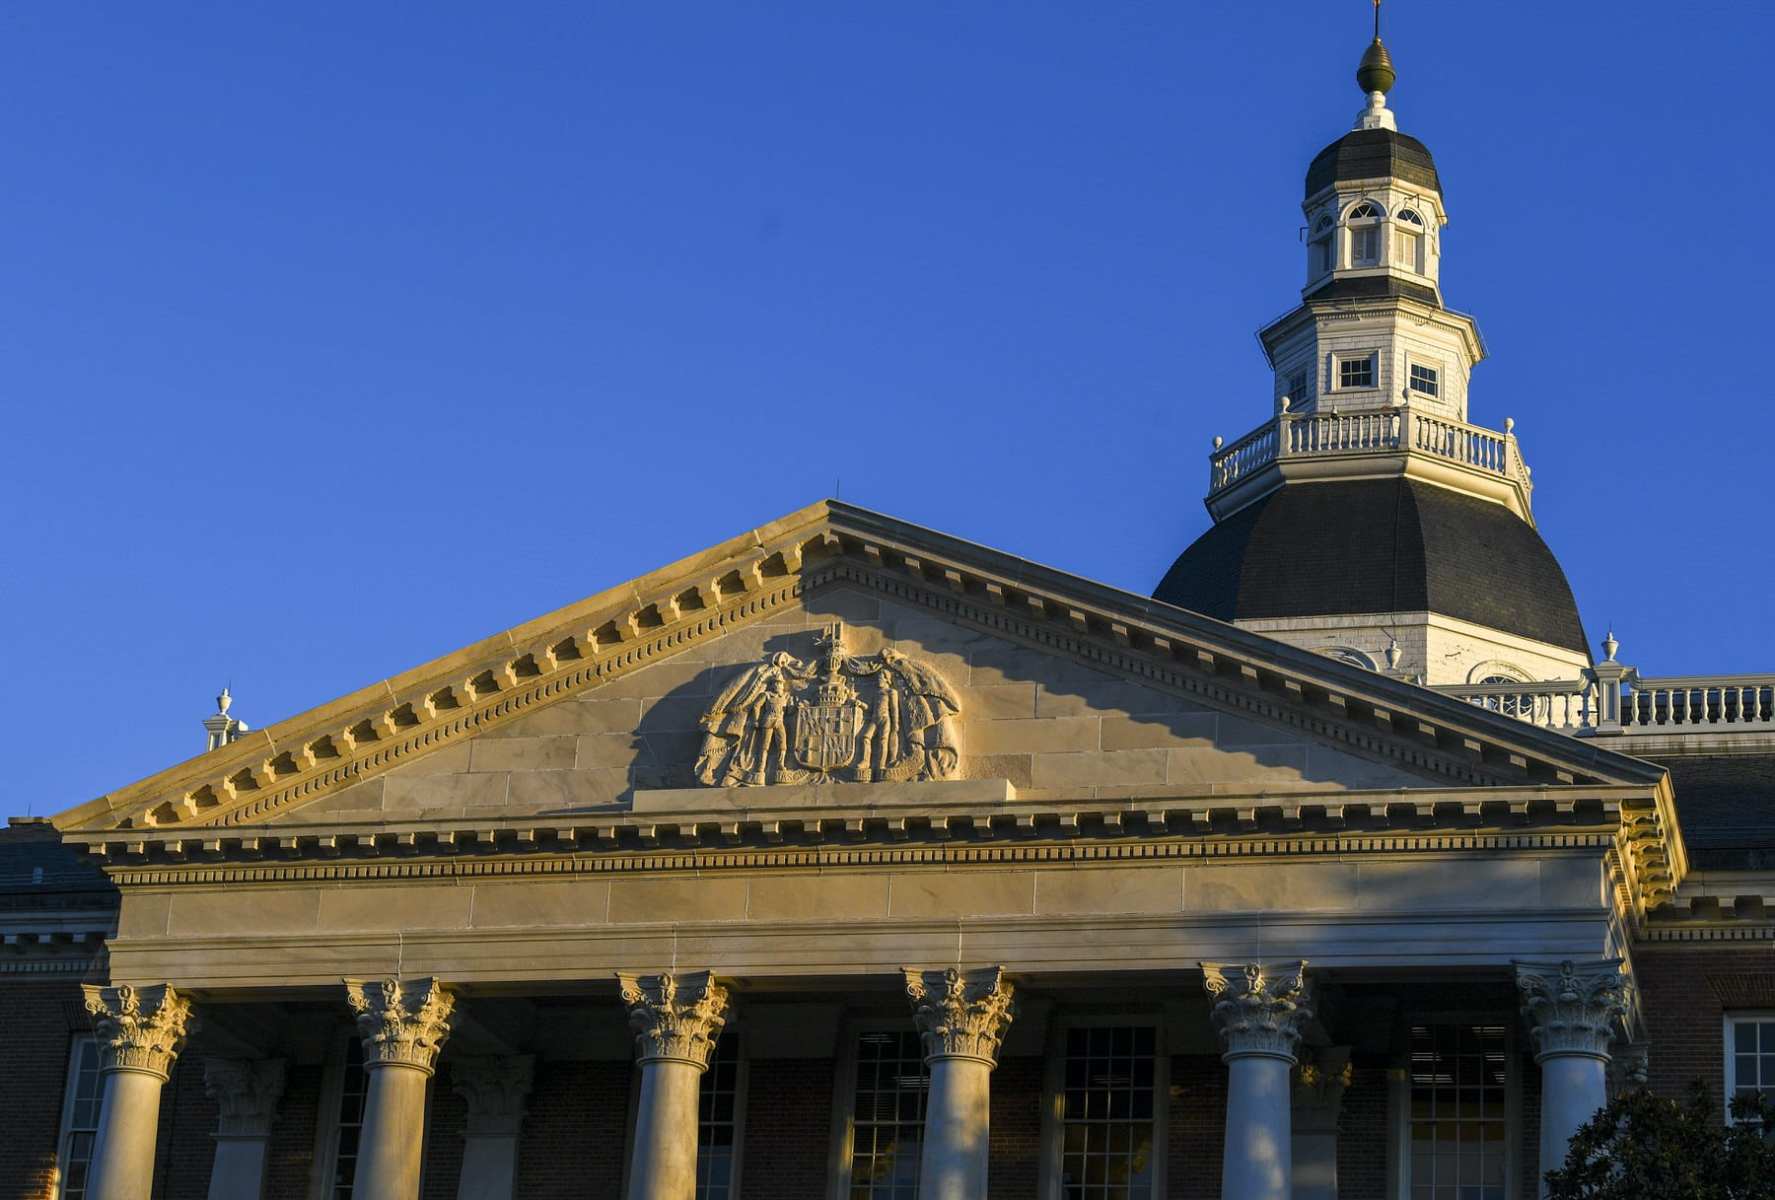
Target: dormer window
[[1364, 222], [1408, 241]]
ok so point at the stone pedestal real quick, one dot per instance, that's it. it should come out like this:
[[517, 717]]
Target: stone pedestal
[[961, 1017], [676, 1019], [1258, 1010], [403, 1025], [246, 1091], [140, 1033], [1574, 1009], [1318, 1101], [495, 1090]]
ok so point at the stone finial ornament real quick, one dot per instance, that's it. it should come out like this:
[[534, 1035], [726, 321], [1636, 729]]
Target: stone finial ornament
[[961, 1014], [1259, 1007], [139, 1028], [402, 1022], [676, 1017], [247, 1091], [1573, 1008], [838, 717]]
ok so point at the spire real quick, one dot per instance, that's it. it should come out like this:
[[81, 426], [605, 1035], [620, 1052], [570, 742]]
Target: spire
[[1375, 76], [221, 727]]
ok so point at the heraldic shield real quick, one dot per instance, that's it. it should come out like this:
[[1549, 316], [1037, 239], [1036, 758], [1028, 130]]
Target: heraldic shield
[[838, 717]]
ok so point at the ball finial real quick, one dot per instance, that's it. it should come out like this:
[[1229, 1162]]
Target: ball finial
[[1375, 72]]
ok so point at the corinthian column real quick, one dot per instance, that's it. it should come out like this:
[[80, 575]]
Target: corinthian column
[[247, 1091], [140, 1033], [1573, 1010], [403, 1025], [1258, 1010], [495, 1090], [961, 1017], [676, 1019]]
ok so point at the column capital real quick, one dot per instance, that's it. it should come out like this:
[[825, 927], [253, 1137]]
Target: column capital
[[1573, 1007], [1325, 1075], [1258, 1007], [961, 1014], [495, 1090], [402, 1022], [676, 1017], [247, 1091], [139, 1028]]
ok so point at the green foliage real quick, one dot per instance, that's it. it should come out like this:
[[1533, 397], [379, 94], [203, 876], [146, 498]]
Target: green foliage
[[1646, 1147]]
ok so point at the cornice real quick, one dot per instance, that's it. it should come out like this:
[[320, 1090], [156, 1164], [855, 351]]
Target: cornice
[[551, 659]]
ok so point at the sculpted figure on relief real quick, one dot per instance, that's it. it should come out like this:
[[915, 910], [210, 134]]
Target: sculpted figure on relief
[[838, 717]]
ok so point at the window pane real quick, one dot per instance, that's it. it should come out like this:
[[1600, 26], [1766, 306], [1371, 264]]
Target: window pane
[[1424, 380], [1457, 1121], [887, 1124], [1107, 1114], [716, 1132]]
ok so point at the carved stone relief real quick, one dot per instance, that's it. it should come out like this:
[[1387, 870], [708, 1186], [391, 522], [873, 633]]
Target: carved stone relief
[[844, 717]]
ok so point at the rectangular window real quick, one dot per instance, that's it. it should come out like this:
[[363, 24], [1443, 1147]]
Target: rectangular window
[[1356, 372], [1365, 246], [1750, 1055], [1320, 257], [1423, 379], [887, 1115], [1458, 1122], [718, 1121], [1405, 251], [354, 1089], [1107, 1114], [1298, 396], [80, 1118]]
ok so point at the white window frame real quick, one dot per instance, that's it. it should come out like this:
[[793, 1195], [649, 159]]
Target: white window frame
[[1054, 1094], [1727, 1026], [1399, 1105], [1338, 359], [64, 1129], [844, 1097], [1428, 364], [741, 1082], [326, 1125], [1417, 229], [1352, 225]]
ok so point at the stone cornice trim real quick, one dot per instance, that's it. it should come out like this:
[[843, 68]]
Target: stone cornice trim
[[339, 744]]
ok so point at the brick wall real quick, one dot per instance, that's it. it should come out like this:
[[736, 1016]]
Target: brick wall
[[1194, 1136], [1014, 1149], [1362, 1136], [40, 1020], [186, 1150], [444, 1144], [788, 1129], [576, 1133], [1687, 991], [290, 1153]]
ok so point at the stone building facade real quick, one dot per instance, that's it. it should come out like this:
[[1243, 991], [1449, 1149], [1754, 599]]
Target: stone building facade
[[848, 860]]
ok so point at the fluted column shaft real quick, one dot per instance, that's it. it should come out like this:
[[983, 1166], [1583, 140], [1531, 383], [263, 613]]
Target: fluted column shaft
[[246, 1091], [1257, 1011], [140, 1033], [676, 1020], [1574, 1009], [403, 1025], [962, 1017]]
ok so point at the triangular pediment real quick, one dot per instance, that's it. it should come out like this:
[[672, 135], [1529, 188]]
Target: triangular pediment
[[1055, 688]]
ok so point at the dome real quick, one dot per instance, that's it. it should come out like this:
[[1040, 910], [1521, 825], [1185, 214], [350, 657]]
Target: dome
[[1373, 154], [1378, 546]]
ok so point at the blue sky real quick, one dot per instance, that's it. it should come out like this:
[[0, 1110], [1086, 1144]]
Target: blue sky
[[336, 336]]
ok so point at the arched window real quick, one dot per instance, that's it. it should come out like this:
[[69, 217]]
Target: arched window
[[1408, 241], [1364, 222], [1352, 656], [1510, 706]]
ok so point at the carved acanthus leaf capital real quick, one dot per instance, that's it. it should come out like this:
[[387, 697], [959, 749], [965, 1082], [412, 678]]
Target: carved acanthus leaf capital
[[1573, 1007], [961, 1014], [494, 1089], [1258, 1007], [676, 1017], [246, 1090], [402, 1022], [139, 1028]]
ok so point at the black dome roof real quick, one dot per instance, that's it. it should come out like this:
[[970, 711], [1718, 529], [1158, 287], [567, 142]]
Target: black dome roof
[[1378, 546], [1373, 154]]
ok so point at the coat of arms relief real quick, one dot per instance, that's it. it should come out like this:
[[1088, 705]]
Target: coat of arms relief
[[840, 717]]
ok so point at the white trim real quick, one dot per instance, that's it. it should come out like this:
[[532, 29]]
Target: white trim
[[1054, 1087], [1727, 1023], [1340, 357], [70, 1090]]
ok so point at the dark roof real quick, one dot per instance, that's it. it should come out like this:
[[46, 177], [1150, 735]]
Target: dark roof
[[1374, 287], [1377, 546], [1373, 154], [1726, 807], [34, 861]]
